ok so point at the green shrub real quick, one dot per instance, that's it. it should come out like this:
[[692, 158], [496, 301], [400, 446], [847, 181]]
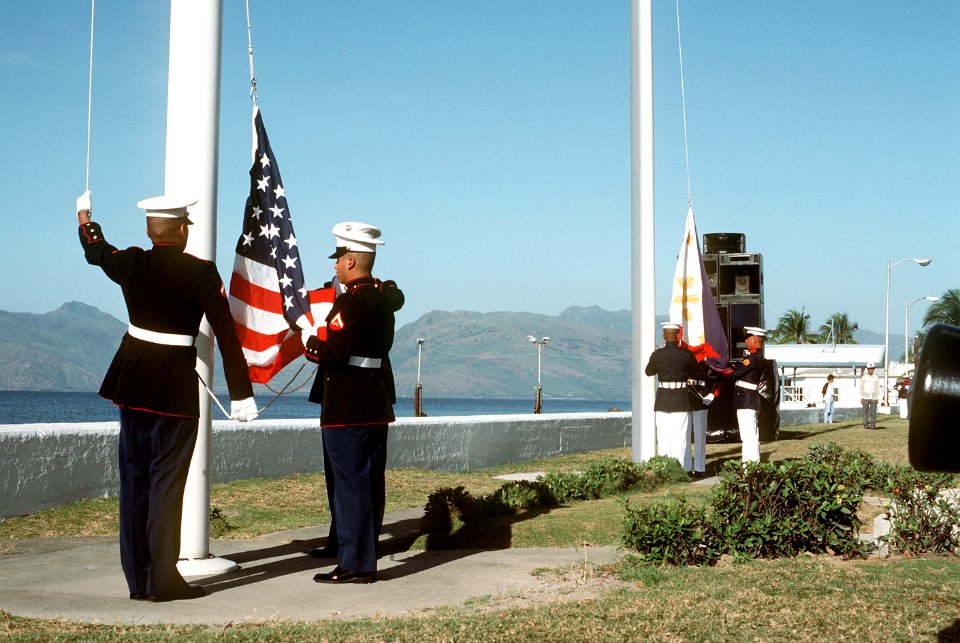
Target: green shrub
[[774, 509], [767, 510], [609, 477], [761, 510], [675, 533], [564, 486], [922, 519], [449, 509]]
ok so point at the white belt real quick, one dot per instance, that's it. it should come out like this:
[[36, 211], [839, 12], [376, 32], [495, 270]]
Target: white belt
[[364, 362], [747, 385], [152, 336], [672, 384], [696, 382]]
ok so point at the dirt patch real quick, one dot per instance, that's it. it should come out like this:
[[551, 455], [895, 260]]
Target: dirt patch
[[578, 583]]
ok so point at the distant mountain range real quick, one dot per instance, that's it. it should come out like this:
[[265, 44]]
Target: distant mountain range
[[68, 349], [464, 354], [470, 354]]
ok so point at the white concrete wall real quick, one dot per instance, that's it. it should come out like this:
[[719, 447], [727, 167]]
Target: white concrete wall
[[793, 417], [46, 465]]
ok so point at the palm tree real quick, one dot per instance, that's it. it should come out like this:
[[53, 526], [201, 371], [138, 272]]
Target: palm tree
[[945, 310], [839, 326], [794, 328]]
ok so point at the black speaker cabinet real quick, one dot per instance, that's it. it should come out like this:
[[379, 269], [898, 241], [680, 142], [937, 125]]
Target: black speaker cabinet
[[738, 316], [717, 242], [736, 282], [740, 274], [711, 266]]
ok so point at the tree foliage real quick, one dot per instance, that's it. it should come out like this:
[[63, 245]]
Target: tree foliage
[[946, 310], [839, 329], [794, 328]]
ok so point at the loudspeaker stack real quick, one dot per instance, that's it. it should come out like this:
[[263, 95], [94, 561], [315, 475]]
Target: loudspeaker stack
[[736, 282]]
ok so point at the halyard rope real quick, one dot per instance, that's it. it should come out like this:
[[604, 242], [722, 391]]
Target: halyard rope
[[683, 102], [93, 4]]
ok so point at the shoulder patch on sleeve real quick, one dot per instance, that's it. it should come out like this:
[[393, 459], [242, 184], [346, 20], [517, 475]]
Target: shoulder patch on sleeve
[[336, 323]]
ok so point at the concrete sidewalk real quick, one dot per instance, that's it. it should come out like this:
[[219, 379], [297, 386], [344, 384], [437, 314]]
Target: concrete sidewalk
[[80, 579]]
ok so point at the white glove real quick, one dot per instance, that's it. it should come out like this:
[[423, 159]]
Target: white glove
[[244, 410], [707, 399], [84, 202]]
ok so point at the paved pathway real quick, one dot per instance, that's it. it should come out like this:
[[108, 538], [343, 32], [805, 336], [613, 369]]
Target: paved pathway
[[80, 579]]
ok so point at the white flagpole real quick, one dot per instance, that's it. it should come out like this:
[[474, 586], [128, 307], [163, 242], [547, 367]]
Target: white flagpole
[[193, 114], [643, 433]]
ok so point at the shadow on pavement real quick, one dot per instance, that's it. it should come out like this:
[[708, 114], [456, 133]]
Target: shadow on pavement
[[258, 565]]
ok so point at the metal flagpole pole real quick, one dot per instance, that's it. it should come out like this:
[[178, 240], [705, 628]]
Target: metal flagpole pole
[[643, 309], [193, 113]]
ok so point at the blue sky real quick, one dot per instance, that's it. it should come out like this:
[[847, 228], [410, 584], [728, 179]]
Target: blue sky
[[490, 142]]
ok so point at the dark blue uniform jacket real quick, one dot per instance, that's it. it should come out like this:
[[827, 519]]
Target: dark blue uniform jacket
[[166, 291], [360, 325], [672, 363]]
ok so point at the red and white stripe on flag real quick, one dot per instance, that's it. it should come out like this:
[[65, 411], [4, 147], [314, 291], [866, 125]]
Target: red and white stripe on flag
[[268, 342]]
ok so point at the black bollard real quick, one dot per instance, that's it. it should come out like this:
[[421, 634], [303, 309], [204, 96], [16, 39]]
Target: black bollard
[[934, 442]]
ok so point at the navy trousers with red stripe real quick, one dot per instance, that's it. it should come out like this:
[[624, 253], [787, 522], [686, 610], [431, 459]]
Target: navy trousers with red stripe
[[155, 453], [357, 456]]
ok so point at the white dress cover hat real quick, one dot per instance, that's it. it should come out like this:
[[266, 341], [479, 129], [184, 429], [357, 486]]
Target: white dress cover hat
[[353, 236]]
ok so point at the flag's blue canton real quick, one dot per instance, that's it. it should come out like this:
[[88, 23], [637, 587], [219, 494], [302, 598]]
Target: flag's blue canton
[[268, 231]]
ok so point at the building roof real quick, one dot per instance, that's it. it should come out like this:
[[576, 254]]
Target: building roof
[[824, 355]]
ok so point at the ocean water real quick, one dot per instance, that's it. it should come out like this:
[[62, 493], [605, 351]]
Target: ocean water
[[29, 407]]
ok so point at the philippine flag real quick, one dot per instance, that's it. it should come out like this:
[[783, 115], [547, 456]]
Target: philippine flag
[[692, 305]]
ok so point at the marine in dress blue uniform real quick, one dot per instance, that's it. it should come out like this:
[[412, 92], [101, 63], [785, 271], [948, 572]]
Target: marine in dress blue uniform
[[673, 365], [152, 379], [355, 388], [746, 379]]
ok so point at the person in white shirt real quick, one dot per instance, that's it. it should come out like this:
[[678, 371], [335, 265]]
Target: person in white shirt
[[869, 396]]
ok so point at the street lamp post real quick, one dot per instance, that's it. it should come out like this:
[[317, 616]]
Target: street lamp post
[[418, 389], [922, 261], [538, 402], [906, 324]]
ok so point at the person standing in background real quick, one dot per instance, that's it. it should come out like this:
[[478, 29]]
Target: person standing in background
[[829, 393], [870, 392]]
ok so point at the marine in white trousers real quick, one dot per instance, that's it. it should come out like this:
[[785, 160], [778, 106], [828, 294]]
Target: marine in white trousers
[[749, 434], [673, 436]]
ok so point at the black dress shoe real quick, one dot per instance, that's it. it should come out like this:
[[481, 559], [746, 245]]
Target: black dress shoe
[[323, 552], [192, 590], [138, 596], [339, 575]]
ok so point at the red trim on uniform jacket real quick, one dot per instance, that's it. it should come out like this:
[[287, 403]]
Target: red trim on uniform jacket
[[136, 408]]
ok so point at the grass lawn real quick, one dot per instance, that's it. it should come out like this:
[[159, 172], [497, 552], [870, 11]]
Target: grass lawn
[[807, 598]]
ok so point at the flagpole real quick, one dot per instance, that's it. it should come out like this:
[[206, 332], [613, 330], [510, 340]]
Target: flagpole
[[193, 112], [643, 434]]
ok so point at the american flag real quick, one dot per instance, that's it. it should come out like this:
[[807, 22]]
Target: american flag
[[268, 298], [692, 305]]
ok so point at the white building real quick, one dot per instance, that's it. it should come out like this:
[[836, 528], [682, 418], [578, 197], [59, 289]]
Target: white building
[[803, 370]]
